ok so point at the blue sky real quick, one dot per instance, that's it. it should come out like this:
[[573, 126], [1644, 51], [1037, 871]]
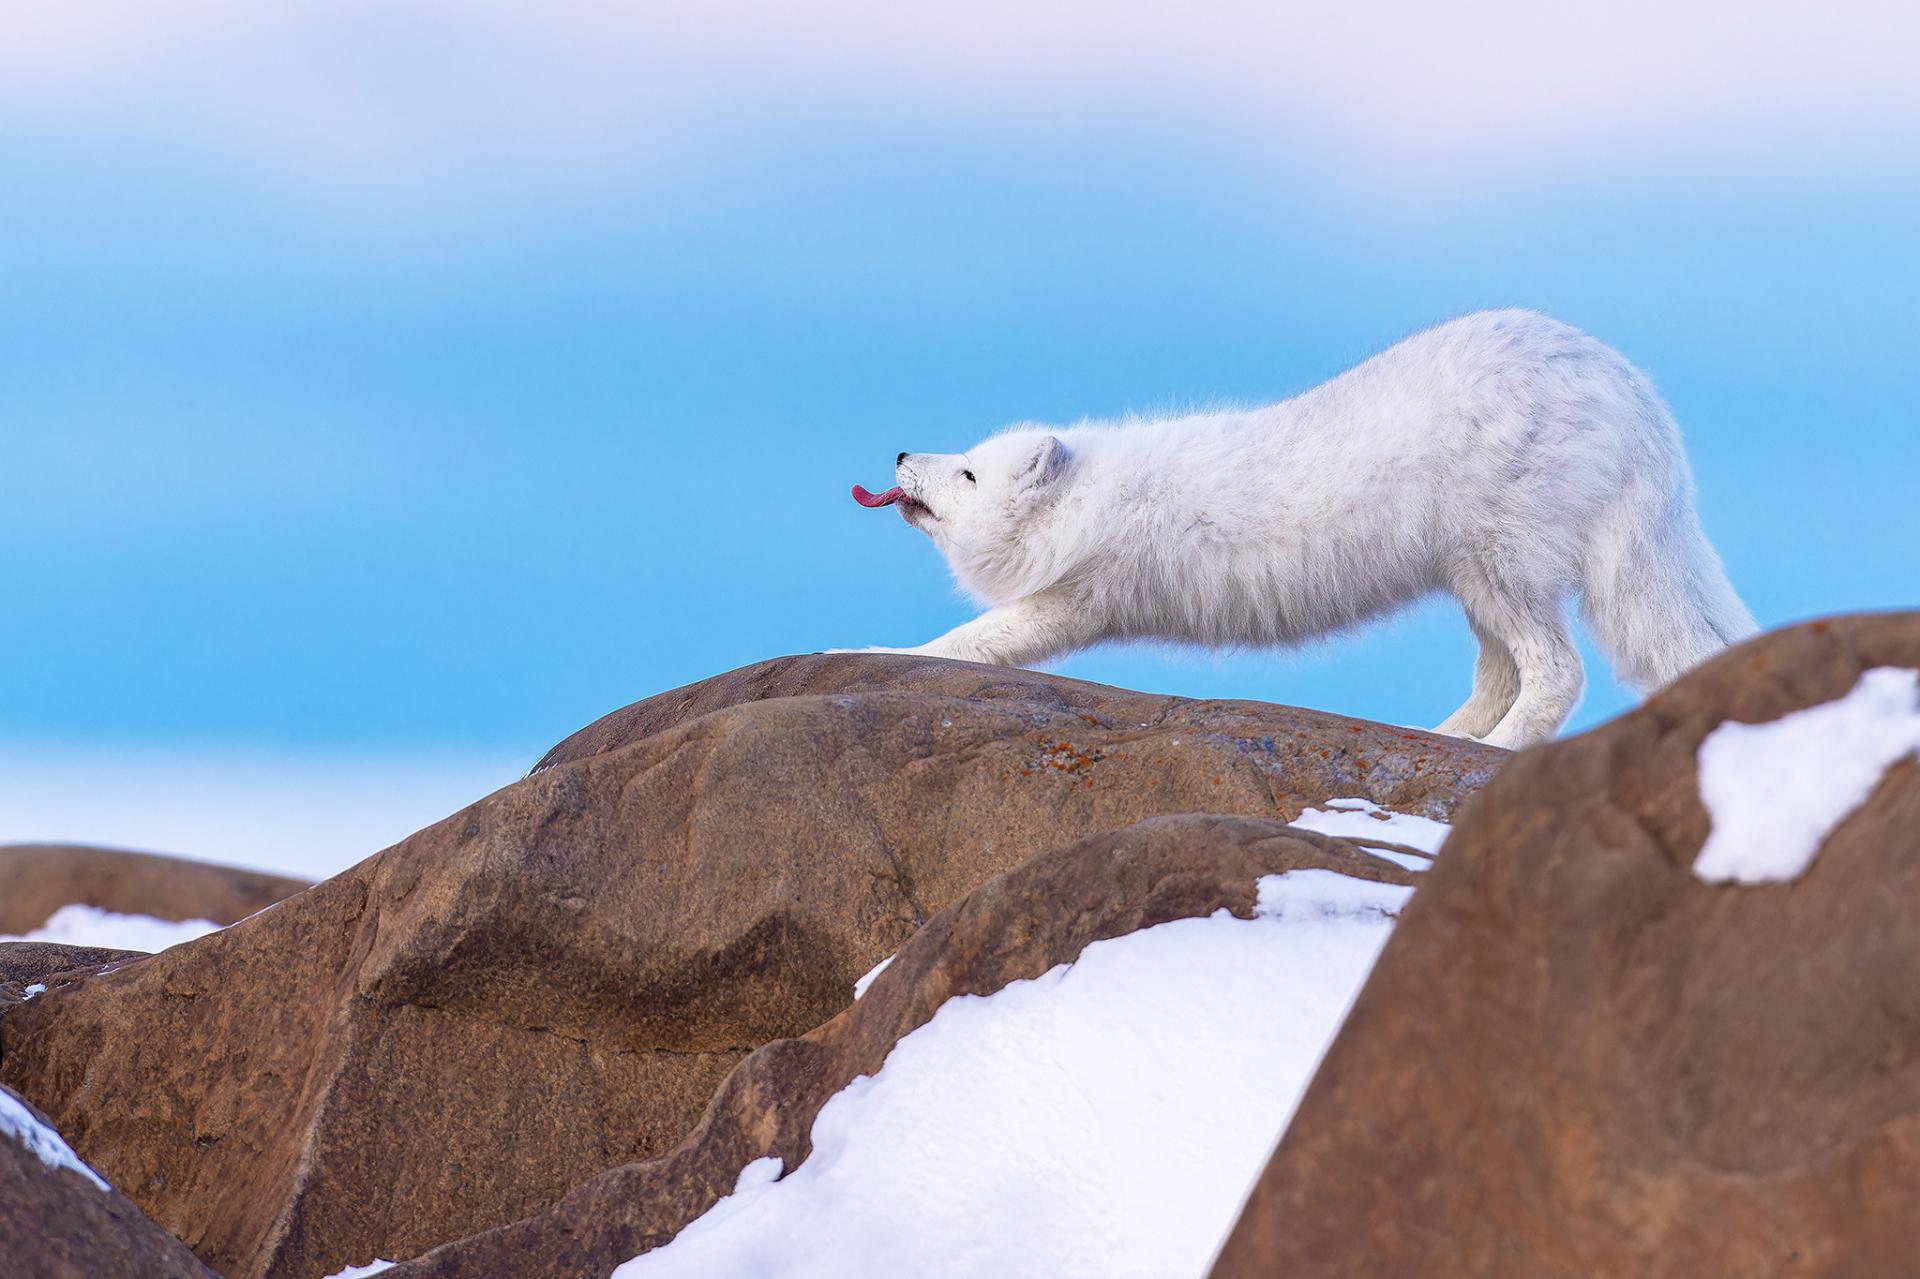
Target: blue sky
[[384, 421]]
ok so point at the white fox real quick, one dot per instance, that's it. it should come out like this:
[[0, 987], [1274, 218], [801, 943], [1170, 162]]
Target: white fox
[[1504, 457]]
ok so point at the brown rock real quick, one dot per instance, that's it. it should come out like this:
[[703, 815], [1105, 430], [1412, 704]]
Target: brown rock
[[26, 963], [1015, 926], [1299, 756], [38, 879], [551, 983], [30, 961], [57, 1224], [1576, 1059]]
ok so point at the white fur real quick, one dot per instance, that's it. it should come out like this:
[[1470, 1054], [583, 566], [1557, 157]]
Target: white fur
[[1503, 457]]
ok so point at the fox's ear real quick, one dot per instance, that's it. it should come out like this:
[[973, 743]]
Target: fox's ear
[[1044, 468]]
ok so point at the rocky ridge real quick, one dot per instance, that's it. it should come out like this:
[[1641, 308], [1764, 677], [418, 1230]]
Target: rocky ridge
[[542, 1036], [454, 1034]]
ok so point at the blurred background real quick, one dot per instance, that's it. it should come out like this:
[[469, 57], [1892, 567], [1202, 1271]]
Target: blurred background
[[388, 389]]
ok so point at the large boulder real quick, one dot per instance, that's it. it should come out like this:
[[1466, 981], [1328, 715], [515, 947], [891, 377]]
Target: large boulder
[[58, 1221], [1299, 756], [552, 982], [1014, 927], [1579, 1057], [38, 879]]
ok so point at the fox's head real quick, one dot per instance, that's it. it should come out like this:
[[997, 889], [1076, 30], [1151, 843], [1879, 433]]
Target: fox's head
[[977, 506]]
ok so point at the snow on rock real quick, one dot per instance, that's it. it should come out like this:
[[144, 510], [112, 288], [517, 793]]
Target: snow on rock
[[1324, 896], [749, 1189], [79, 925], [860, 987], [1108, 1116], [373, 1267], [19, 1123], [1774, 791], [1362, 820], [38, 988]]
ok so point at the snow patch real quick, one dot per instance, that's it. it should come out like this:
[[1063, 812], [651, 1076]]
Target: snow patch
[[860, 987], [38, 988], [360, 1272], [1361, 820], [749, 1188], [1775, 791], [44, 1143], [1405, 861], [78, 925], [373, 1267], [1108, 1116], [1323, 895]]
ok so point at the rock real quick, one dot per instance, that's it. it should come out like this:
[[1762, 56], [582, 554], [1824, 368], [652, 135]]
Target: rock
[[38, 879], [456, 1032], [29, 961], [56, 1223], [1015, 926], [1295, 756], [26, 963], [1576, 1058]]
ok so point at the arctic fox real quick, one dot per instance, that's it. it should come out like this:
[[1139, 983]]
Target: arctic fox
[[1504, 457]]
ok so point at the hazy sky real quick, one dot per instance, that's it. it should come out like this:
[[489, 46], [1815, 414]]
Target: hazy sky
[[432, 378]]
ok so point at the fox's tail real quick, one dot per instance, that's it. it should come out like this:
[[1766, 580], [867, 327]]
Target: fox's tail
[[1656, 595]]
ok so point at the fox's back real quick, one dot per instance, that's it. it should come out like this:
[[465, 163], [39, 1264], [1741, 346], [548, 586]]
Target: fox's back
[[1383, 474]]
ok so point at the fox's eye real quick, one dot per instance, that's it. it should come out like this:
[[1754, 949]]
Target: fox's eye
[[969, 475]]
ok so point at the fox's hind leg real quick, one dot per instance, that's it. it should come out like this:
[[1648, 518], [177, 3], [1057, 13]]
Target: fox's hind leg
[[1514, 607], [1496, 685], [1550, 676]]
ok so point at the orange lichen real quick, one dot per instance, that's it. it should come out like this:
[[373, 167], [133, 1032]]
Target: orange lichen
[[1065, 757]]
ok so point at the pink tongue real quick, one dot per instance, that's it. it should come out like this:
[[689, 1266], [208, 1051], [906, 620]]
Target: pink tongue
[[887, 498]]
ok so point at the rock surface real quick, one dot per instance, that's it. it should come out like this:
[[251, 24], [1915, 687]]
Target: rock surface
[[1263, 755], [1013, 927], [38, 879], [55, 1223], [1575, 1058], [25, 963], [458, 1031]]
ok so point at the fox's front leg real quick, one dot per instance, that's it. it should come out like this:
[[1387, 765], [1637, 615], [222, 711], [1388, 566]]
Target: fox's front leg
[[1018, 634]]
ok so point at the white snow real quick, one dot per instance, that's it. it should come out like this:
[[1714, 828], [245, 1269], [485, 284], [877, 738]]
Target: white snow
[[1406, 861], [78, 925], [373, 1267], [1327, 896], [1776, 790], [1361, 820], [1106, 1118], [38, 988], [860, 987], [17, 1121], [756, 1178]]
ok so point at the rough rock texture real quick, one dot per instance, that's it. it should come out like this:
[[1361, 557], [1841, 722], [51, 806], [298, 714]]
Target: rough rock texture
[[1576, 1059], [38, 879], [56, 1224], [24, 963], [456, 1032], [1013, 927], [1264, 755], [30, 961]]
